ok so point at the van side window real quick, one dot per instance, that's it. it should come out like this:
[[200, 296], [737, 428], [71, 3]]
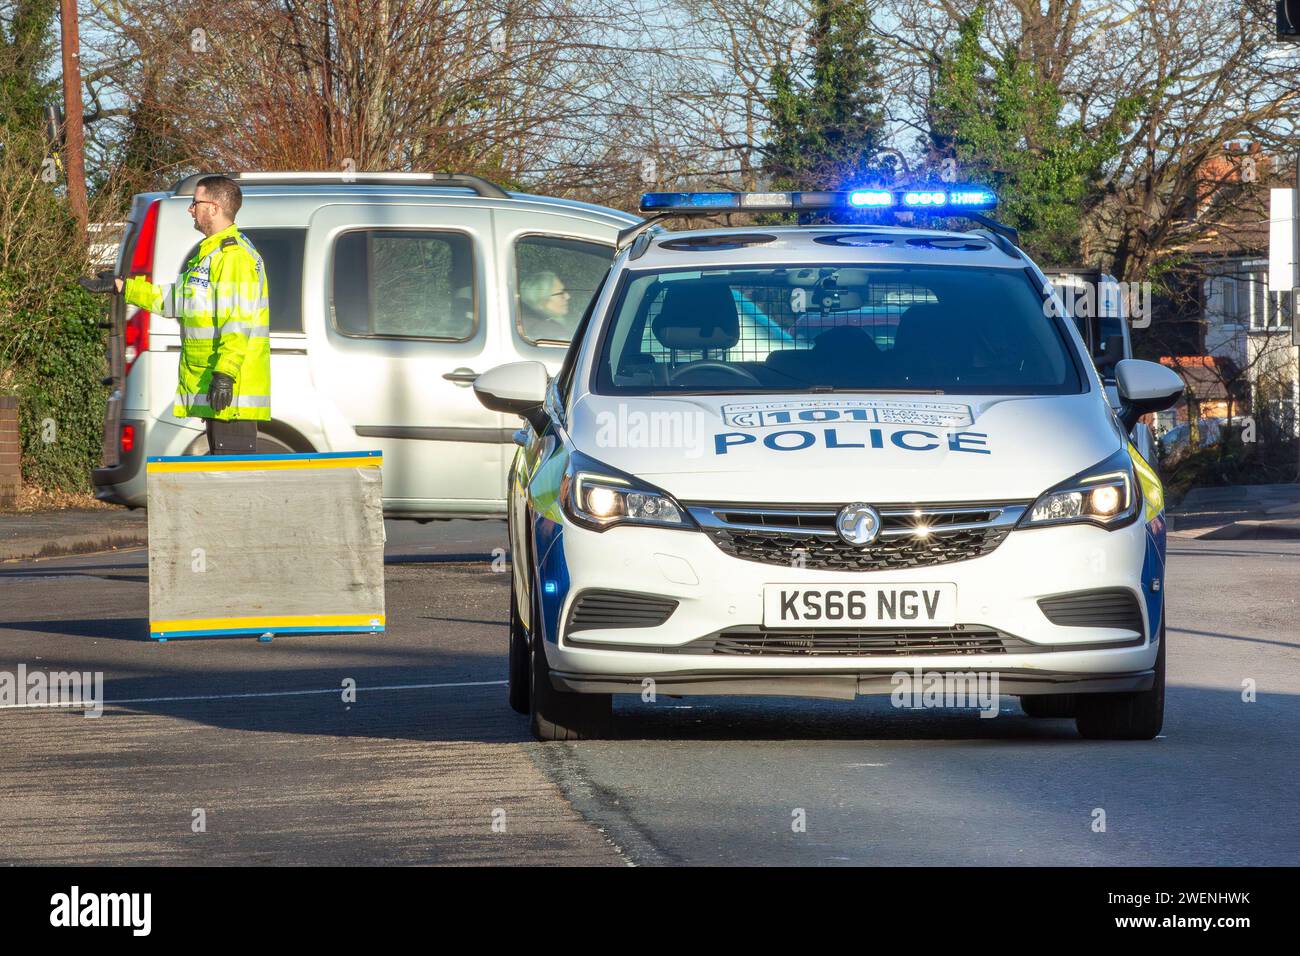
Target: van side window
[[555, 281], [281, 251], [401, 283]]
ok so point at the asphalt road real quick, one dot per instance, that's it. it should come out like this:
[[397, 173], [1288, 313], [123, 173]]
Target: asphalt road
[[428, 764]]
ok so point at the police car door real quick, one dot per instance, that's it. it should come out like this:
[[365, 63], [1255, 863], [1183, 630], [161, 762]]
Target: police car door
[[405, 300]]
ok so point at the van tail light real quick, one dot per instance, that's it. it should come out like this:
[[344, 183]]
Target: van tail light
[[136, 333], [142, 254], [135, 338], [128, 438]]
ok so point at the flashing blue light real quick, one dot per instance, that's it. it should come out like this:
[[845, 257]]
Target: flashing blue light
[[925, 197], [550, 587], [963, 197], [874, 198], [972, 198]]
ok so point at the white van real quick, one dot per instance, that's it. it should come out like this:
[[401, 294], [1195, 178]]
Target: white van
[[389, 293]]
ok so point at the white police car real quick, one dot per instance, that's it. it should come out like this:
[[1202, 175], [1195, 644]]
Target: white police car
[[802, 460]]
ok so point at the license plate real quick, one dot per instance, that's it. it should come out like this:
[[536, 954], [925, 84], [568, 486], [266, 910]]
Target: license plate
[[902, 605]]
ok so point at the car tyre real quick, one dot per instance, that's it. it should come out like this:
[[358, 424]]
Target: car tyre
[[561, 715], [1049, 705], [1131, 716], [518, 667]]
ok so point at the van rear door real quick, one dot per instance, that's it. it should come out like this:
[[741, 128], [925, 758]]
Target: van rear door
[[109, 470], [397, 305]]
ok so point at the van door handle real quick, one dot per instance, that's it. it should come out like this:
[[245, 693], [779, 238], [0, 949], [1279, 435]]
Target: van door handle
[[464, 377]]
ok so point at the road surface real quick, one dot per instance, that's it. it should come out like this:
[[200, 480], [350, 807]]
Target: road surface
[[234, 751]]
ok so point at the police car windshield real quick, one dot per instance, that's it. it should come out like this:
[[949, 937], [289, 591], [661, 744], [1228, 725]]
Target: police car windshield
[[795, 328]]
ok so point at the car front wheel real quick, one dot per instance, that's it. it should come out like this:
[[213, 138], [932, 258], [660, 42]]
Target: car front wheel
[[1132, 716], [561, 715], [518, 667]]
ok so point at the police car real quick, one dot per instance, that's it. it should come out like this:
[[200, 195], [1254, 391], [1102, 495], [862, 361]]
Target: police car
[[805, 460]]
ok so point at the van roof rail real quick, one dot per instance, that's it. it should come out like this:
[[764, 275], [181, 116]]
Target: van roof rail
[[476, 184]]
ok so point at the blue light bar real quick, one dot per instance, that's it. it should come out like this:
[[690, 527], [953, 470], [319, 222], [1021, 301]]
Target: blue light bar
[[871, 198], [935, 199]]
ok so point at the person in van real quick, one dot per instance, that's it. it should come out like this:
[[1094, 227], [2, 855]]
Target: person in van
[[220, 301], [544, 302]]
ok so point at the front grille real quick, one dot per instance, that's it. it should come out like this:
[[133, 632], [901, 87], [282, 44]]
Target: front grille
[[761, 642], [604, 609], [1106, 607], [911, 535]]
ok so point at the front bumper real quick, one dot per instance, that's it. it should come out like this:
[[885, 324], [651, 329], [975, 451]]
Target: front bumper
[[716, 592]]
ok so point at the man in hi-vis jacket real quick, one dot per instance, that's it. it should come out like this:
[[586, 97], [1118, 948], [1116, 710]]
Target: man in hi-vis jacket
[[220, 301]]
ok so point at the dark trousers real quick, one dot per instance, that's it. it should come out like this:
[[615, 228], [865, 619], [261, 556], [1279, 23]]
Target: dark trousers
[[232, 438]]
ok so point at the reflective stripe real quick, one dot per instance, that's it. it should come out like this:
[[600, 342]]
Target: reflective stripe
[[241, 401], [229, 300], [230, 328], [1153, 492]]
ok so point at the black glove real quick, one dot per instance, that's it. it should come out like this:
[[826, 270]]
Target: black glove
[[104, 282], [221, 392]]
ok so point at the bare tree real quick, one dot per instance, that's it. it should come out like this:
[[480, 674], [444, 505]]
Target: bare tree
[[507, 87]]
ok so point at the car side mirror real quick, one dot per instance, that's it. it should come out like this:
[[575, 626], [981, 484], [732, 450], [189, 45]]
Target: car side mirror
[[1145, 387], [518, 388]]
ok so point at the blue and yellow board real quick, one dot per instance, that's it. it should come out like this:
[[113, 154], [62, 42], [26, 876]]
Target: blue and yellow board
[[361, 621]]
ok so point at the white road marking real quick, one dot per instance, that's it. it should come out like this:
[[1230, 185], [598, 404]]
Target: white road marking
[[276, 693]]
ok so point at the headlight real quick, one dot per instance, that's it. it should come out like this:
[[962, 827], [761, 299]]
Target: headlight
[[598, 497], [1105, 494]]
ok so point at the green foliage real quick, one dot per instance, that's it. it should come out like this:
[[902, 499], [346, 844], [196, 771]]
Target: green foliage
[[51, 346], [60, 398], [825, 131], [1008, 127], [26, 48], [1230, 462]]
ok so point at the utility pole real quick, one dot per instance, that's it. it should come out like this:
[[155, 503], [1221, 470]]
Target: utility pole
[[74, 163], [1295, 296]]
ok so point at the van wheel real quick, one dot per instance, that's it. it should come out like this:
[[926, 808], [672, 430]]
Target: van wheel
[[266, 445], [557, 714], [1131, 716], [1048, 705], [518, 666]]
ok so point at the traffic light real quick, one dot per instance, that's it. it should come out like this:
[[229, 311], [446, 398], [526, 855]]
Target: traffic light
[[1288, 20]]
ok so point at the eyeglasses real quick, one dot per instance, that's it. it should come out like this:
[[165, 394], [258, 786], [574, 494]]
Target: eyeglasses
[[197, 201]]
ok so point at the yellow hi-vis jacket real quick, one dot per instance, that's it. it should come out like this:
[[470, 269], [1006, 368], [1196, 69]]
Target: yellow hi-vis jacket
[[220, 301]]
